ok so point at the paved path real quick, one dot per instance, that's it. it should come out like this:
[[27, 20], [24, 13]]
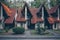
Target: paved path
[[27, 33], [29, 39]]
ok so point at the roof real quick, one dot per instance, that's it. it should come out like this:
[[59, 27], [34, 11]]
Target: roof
[[34, 18], [11, 18], [7, 9], [53, 10], [58, 21], [40, 19], [22, 19], [51, 20], [19, 18], [33, 12]]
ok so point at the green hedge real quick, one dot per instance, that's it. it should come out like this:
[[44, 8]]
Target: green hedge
[[18, 30]]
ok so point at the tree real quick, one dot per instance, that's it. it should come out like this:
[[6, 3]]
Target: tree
[[37, 3], [54, 2], [57, 1], [3, 1]]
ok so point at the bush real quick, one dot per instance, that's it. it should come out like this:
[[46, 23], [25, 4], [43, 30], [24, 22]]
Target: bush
[[1, 30], [40, 30], [7, 28], [18, 30]]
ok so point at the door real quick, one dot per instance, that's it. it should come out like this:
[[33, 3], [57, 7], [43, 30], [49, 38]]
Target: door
[[30, 25]]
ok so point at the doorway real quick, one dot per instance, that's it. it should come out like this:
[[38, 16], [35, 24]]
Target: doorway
[[30, 25]]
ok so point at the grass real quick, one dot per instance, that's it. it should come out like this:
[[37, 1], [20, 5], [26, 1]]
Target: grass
[[34, 32], [2, 31], [57, 31]]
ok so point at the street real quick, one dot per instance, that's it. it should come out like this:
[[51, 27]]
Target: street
[[29, 39]]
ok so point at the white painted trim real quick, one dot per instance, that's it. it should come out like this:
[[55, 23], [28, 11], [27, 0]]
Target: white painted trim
[[15, 19], [26, 18], [1, 12], [42, 13], [58, 13], [53, 26], [36, 26], [42, 24], [49, 4], [18, 25], [26, 25], [26, 13], [23, 25], [1, 27], [15, 15], [58, 26]]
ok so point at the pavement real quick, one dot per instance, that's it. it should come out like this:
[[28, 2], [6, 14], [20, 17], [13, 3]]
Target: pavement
[[29, 39]]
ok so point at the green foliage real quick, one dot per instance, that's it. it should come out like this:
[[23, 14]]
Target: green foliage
[[3, 1], [57, 1], [1, 31], [53, 3], [18, 30], [40, 30], [37, 3], [6, 28]]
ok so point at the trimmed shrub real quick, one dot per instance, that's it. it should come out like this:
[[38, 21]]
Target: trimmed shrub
[[18, 30]]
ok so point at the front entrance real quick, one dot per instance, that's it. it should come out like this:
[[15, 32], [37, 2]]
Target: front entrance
[[30, 25]]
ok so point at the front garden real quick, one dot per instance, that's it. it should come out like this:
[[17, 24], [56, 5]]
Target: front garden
[[57, 31], [21, 31]]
